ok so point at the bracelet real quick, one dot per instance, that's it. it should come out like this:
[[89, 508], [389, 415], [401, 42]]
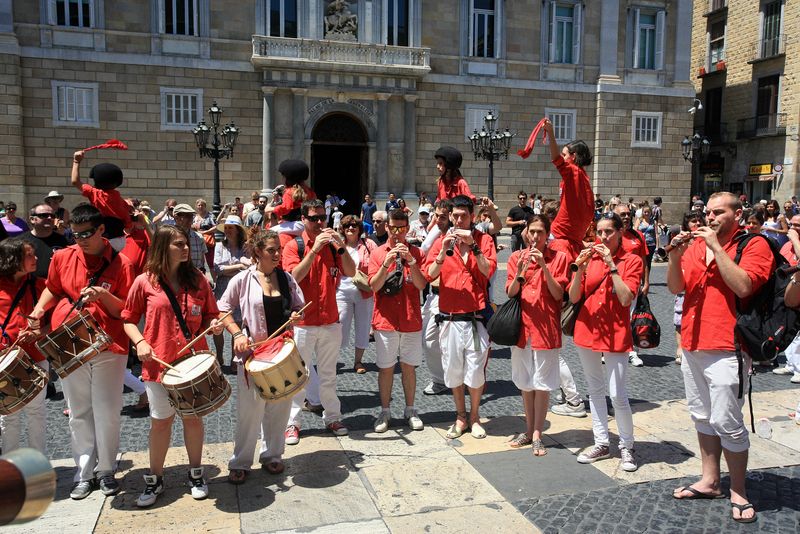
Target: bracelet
[[237, 334], [476, 249], [384, 266], [520, 279], [137, 343], [312, 251]]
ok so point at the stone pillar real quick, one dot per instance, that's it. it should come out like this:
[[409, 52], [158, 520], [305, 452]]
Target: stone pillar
[[267, 138], [13, 180], [298, 122], [382, 148], [609, 41], [683, 46], [410, 147]]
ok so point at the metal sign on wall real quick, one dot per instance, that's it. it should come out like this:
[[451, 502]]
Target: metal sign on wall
[[759, 169]]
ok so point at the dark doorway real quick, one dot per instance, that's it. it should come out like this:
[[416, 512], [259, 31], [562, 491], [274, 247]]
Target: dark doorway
[[339, 160]]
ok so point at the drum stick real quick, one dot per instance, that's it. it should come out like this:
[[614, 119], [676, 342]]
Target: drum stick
[[280, 329], [201, 334], [165, 364]]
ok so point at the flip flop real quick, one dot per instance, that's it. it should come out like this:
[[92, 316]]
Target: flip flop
[[359, 368], [237, 476], [742, 508], [695, 494]]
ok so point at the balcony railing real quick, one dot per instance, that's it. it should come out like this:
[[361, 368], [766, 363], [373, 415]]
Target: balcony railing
[[341, 56], [762, 125], [716, 5], [771, 47]]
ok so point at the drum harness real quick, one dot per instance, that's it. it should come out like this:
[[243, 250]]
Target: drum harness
[[30, 283], [176, 309], [78, 304]]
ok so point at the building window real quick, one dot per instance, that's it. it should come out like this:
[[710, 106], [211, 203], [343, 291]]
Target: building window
[[565, 32], [712, 122], [481, 28], [179, 17], [398, 21], [646, 129], [563, 123], [72, 13], [474, 114], [281, 18], [771, 33], [75, 104], [767, 102], [648, 38], [180, 108], [716, 42], [714, 5]]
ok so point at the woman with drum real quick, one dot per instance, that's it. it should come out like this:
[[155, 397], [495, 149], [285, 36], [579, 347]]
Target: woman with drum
[[607, 280], [19, 290], [267, 297], [174, 297]]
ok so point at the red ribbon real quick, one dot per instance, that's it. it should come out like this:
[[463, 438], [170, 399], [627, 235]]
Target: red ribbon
[[111, 143], [525, 152]]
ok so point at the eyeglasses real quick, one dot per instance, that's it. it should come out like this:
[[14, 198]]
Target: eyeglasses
[[44, 215], [349, 225], [86, 234], [522, 198], [11, 209], [378, 221], [398, 229], [316, 218]]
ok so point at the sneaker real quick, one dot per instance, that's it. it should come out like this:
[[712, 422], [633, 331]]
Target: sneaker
[[559, 396], [414, 422], [292, 435], [313, 408], [795, 379], [81, 490], [782, 371], [598, 452], [199, 486], [109, 485], [627, 461], [382, 422], [434, 388], [338, 428], [634, 359], [154, 486], [678, 359], [572, 410]]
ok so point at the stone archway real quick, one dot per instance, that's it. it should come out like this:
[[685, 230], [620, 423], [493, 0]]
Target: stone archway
[[339, 159]]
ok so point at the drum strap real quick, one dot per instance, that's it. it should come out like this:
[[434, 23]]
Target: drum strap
[[286, 294], [177, 310], [30, 282], [92, 281]]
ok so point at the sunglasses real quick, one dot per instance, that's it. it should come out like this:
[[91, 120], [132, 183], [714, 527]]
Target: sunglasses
[[398, 229], [316, 218], [350, 225], [86, 234], [11, 209], [378, 221], [44, 215]]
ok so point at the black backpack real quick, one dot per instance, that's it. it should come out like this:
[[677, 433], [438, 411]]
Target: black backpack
[[644, 327]]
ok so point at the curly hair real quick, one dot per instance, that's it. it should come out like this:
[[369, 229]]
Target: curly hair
[[158, 258], [257, 240], [12, 253]]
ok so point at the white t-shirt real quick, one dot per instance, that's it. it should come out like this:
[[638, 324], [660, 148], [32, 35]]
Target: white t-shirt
[[337, 219]]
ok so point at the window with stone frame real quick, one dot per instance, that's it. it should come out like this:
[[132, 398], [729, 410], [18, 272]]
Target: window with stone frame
[[647, 25], [180, 108], [474, 114], [75, 104], [771, 44], [179, 17], [281, 18], [398, 22], [716, 41], [482, 28], [71, 13], [646, 129], [564, 34], [563, 123]]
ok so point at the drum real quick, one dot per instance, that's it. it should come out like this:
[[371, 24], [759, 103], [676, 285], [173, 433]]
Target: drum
[[74, 343], [20, 380], [198, 387], [279, 375]]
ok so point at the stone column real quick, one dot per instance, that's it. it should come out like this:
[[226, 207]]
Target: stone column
[[382, 148], [267, 137], [298, 122], [410, 147], [683, 46], [13, 181], [609, 41]]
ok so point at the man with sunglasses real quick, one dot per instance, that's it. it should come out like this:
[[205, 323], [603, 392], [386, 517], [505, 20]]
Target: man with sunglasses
[[94, 390], [43, 237], [380, 235], [516, 220], [319, 333]]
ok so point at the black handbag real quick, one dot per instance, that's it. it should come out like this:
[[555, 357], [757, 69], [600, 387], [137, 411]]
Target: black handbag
[[506, 323], [644, 326], [570, 311]]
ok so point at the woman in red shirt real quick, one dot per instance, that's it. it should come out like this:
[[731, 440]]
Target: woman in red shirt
[[542, 275], [169, 262], [295, 174], [607, 278]]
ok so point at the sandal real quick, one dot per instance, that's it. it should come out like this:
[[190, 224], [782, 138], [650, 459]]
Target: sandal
[[742, 508], [695, 494], [274, 468], [237, 476], [539, 448], [477, 431], [520, 441], [455, 431], [359, 368]]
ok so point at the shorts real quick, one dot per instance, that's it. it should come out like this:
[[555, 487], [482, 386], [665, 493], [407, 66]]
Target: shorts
[[464, 353], [391, 346], [160, 407], [533, 369]]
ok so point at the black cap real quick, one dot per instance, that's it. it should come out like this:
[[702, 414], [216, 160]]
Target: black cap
[[294, 170], [451, 156], [106, 176]]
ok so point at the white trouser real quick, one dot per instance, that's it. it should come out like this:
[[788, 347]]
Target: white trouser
[[323, 342], [792, 353], [571, 394], [94, 397], [253, 416], [133, 383], [36, 414], [351, 306], [711, 379], [430, 338], [462, 360], [617, 367]]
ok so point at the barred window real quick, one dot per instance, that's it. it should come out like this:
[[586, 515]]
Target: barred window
[[646, 128], [74, 104], [179, 17], [74, 13], [180, 108], [563, 123]]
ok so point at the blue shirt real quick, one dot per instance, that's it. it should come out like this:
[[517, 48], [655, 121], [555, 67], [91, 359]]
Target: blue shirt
[[367, 210]]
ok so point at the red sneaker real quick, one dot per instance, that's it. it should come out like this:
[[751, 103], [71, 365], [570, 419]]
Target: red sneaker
[[338, 428], [292, 435]]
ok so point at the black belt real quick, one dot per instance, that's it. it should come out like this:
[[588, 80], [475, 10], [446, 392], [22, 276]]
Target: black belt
[[435, 290], [459, 317]]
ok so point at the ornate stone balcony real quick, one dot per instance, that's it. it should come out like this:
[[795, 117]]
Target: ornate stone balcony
[[340, 56]]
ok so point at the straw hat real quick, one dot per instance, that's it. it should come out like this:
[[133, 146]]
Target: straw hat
[[230, 220]]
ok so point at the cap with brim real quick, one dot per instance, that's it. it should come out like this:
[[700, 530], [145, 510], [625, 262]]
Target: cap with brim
[[182, 208], [55, 195], [699, 203], [230, 220], [424, 209]]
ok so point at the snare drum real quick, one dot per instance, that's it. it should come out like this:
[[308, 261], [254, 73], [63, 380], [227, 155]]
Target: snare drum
[[198, 387], [280, 376], [74, 343], [20, 380]]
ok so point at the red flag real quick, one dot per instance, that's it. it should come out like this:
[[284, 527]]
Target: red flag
[[111, 143], [525, 152]]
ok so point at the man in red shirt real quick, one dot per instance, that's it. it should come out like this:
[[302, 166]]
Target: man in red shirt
[[397, 318], [451, 183], [633, 241], [94, 390], [319, 332], [462, 296], [712, 373], [791, 249]]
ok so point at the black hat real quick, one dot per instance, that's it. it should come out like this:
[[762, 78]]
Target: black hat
[[451, 156], [294, 170], [106, 176]]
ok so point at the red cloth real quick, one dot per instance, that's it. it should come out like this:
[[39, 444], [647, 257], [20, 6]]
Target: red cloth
[[111, 143], [109, 202], [541, 313], [604, 324], [289, 204], [567, 246], [462, 287], [459, 186], [787, 251], [8, 290], [400, 312], [271, 348], [525, 152], [576, 209], [633, 242], [136, 244], [161, 328], [709, 307], [320, 283], [70, 270]]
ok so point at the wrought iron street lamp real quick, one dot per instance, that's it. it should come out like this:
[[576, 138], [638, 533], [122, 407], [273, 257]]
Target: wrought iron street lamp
[[695, 149], [215, 143], [490, 144]]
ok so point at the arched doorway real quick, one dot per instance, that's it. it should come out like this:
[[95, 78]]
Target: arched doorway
[[339, 160]]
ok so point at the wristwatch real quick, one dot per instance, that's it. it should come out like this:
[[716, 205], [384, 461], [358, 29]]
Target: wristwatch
[[476, 249], [613, 270]]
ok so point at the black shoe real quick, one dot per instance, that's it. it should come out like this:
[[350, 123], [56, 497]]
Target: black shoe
[[109, 485], [51, 391]]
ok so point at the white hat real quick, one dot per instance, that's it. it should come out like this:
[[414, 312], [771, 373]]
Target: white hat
[[424, 209], [230, 220], [55, 195]]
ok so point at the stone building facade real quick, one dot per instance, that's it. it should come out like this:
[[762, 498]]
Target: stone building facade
[[745, 67], [364, 90]]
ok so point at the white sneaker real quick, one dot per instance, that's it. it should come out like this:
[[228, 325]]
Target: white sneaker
[[634, 359], [199, 486], [571, 410], [782, 371], [382, 422], [434, 388], [154, 487], [627, 460], [414, 422], [598, 452], [795, 379]]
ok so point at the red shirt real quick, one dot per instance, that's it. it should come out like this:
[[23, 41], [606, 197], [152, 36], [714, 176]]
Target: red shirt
[[289, 204], [633, 242], [541, 313], [787, 251], [576, 209], [70, 270], [320, 283], [400, 312], [8, 290], [109, 202], [709, 307], [457, 187], [136, 244], [462, 287], [161, 328], [604, 324]]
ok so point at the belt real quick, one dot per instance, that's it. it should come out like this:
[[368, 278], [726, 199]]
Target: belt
[[435, 290], [473, 318]]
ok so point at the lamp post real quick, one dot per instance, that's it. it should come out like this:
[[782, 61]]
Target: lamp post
[[215, 143], [490, 144], [694, 150]]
